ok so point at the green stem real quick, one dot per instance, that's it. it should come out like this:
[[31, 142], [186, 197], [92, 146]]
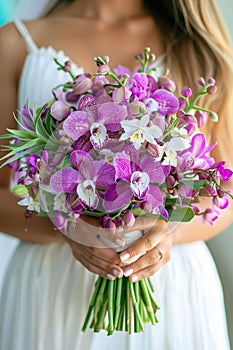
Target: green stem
[[147, 301], [100, 319], [127, 306], [118, 301], [110, 307], [99, 298], [138, 320], [202, 91], [92, 303], [151, 291]]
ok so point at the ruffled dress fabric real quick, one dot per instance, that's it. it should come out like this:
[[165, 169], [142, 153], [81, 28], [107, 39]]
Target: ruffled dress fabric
[[46, 292]]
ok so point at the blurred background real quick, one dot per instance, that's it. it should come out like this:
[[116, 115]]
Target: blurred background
[[220, 246]]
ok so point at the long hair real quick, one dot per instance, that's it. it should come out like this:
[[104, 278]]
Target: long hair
[[198, 44]]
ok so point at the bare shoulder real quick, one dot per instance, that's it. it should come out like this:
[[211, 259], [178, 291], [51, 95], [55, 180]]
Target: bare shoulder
[[12, 48], [10, 39]]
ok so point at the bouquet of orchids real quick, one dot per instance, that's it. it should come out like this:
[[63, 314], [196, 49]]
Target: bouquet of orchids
[[116, 145]]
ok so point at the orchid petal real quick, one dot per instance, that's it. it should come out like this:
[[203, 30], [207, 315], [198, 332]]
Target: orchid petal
[[64, 180], [122, 166], [117, 196], [111, 114], [76, 124], [198, 143]]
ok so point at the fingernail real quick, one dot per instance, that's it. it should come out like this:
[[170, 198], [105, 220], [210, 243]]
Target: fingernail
[[109, 276], [128, 272], [120, 242], [116, 273], [134, 278], [124, 257]]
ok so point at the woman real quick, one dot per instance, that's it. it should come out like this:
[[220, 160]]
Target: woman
[[46, 290]]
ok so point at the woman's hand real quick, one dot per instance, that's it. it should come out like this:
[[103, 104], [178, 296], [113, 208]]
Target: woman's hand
[[91, 252], [154, 248]]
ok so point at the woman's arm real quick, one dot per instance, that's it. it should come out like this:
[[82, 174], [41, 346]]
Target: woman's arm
[[12, 220]]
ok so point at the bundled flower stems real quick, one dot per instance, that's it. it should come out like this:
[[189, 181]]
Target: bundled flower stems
[[121, 305]]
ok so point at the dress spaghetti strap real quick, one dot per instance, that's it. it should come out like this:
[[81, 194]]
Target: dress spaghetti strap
[[32, 47]]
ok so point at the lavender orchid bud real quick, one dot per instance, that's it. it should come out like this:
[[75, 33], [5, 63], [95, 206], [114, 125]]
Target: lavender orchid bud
[[60, 110], [220, 192], [129, 219], [104, 69], [214, 117], [83, 84], [108, 224], [139, 56], [201, 81], [170, 181], [211, 90], [182, 103], [166, 83], [67, 66], [195, 209], [106, 59], [211, 80], [201, 118], [153, 149], [186, 92], [71, 98], [136, 107]]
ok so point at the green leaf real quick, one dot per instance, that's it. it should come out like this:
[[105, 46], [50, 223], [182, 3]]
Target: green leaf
[[49, 122], [23, 135], [20, 150], [15, 156], [181, 214], [6, 136], [41, 131]]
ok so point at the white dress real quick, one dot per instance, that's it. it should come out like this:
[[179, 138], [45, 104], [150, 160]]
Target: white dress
[[46, 291]]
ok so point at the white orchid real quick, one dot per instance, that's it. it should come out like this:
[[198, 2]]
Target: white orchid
[[32, 204], [138, 131], [170, 148]]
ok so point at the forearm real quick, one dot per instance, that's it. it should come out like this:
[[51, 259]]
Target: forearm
[[196, 230], [12, 222]]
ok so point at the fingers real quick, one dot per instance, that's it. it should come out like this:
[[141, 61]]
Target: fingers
[[147, 255], [98, 261], [145, 243], [150, 263]]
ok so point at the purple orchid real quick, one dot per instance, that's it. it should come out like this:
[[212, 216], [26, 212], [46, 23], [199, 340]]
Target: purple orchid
[[198, 153], [143, 86], [137, 179], [167, 102], [106, 117], [90, 178]]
